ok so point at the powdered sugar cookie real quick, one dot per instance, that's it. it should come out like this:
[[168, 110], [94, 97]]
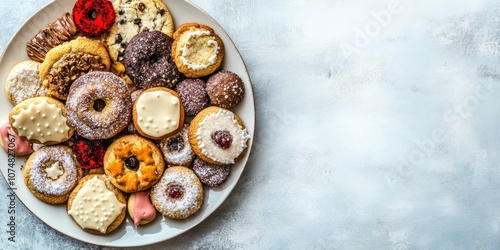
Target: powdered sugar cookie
[[24, 82]]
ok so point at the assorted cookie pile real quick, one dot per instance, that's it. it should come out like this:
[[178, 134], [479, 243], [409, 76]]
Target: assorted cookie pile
[[102, 109]]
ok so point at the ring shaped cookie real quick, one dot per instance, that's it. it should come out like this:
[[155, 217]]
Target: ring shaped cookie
[[51, 173], [99, 105]]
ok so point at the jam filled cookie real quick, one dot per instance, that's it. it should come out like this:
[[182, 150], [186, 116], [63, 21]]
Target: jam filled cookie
[[68, 61], [89, 153], [178, 194], [176, 149], [93, 17], [133, 163], [154, 122], [96, 205], [24, 82], [225, 89], [210, 174], [12, 143], [134, 17], [193, 95], [41, 120], [197, 50], [140, 209], [99, 105], [51, 173], [217, 136], [53, 34], [148, 61]]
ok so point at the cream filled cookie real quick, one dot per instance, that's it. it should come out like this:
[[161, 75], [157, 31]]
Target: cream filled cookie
[[24, 82], [218, 136], [41, 120], [140, 209], [197, 50], [154, 122], [96, 205], [51, 173], [178, 194]]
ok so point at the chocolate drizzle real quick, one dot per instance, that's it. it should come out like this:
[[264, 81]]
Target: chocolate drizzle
[[51, 36]]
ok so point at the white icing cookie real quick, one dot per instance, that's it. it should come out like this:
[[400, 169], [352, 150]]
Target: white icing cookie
[[41, 120], [158, 113]]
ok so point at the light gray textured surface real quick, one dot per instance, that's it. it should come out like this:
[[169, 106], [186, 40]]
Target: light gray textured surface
[[377, 127]]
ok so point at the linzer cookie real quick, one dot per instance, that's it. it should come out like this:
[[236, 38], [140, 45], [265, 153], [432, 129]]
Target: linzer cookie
[[51, 173], [179, 193], [93, 17], [217, 136], [197, 50], [96, 205], [154, 122], [132, 18], [41, 120], [66, 62], [53, 34]]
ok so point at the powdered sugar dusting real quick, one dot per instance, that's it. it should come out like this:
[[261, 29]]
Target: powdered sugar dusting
[[44, 158], [193, 95], [184, 205], [181, 157], [24, 82], [210, 174], [225, 89], [115, 115]]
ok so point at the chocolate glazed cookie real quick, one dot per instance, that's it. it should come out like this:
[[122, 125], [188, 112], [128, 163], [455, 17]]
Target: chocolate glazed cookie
[[149, 63]]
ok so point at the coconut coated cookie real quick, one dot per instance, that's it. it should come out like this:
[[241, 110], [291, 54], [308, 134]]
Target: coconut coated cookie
[[41, 120], [96, 205], [218, 136], [197, 50], [24, 82], [132, 18]]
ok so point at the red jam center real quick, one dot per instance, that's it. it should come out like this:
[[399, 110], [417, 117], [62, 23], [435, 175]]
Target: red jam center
[[175, 192], [222, 138]]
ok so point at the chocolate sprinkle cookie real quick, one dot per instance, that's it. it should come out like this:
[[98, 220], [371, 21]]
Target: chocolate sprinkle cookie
[[148, 61]]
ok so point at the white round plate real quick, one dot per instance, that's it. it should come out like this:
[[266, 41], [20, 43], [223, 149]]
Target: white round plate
[[126, 235]]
